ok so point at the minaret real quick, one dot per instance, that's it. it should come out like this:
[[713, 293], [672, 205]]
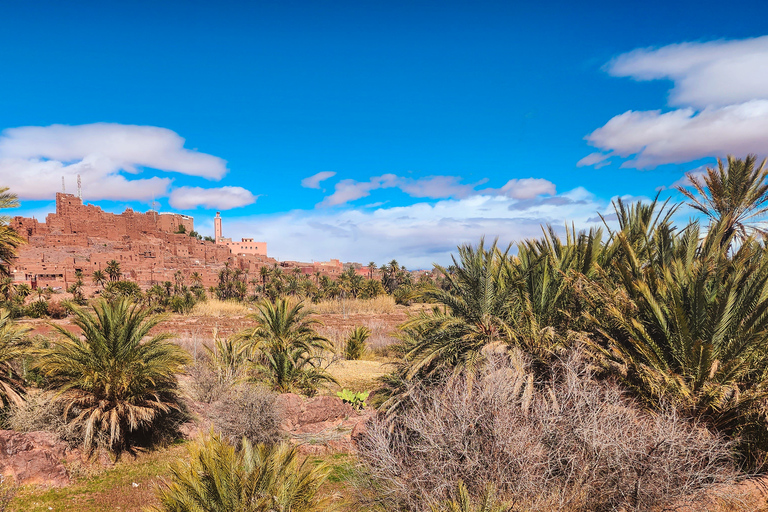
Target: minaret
[[217, 227]]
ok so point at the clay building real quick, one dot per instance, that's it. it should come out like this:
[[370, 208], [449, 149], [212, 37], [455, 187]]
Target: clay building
[[245, 247], [148, 246]]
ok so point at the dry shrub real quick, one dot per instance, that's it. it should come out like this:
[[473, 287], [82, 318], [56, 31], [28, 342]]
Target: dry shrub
[[380, 304], [572, 443], [215, 307], [247, 411], [42, 412], [205, 384]]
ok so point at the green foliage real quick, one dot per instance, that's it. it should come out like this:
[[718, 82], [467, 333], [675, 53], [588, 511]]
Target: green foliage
[[734, 197], [117, 380], [356, 399], [218, 478], [10, 240], [286, 351], [13, 345], [355, 348]]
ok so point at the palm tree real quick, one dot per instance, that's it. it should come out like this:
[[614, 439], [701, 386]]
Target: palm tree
[[219, 478], [110, 380], [196, 278], [691, 329], [113, 270], [13, 344], [735, 196], [285, 347], [475, 314], [371, 269], [99, 278], [355, 346], [10, 240]]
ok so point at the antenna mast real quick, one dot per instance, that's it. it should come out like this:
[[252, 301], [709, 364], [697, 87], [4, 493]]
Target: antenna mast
[[63, 188], [79, 188]]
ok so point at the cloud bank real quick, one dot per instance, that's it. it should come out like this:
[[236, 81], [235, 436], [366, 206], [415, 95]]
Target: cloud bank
[[721, 89], [107, 156], [417, 235], [435, 187]]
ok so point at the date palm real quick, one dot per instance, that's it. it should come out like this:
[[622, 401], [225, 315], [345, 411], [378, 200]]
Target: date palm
[[473, 314], [13, 344], [735, 195], [99, 278], [219, 478], [113, 270], [10, 240], [691, 331], [116, 379], [286, 348]]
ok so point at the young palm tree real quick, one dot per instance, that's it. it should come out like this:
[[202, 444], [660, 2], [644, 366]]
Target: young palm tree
[[113, 380], [735, 196], [285, 347], [10, 240], [218, 478], [355, 346], [13, 344]]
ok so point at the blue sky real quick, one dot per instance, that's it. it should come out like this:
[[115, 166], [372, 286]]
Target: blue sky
[[432, 123]]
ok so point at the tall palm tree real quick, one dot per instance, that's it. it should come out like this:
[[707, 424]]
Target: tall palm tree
[[13, 344], [110, 380], [286, 347], [10, 240], [371, 269], [735, 195], [113, 270], [219, 478]]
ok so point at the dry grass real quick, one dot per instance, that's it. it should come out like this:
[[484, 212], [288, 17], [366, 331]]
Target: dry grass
[[382, 304], [358, 375], [220, 308]]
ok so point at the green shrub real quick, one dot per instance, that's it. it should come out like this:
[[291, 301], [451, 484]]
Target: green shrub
[[357, 400], [219, 478]]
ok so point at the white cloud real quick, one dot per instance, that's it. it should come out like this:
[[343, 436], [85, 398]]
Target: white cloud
[[350, 190], [654, 138], [416, 235], [527, 188], [33, 159], [435, 187], [222, 198], [314, 180], [722, 87], [715, 73]]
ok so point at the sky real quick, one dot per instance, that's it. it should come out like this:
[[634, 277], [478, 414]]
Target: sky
[[372, 131]]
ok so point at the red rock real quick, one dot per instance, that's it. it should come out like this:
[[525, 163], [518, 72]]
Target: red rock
[[33, 458]]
